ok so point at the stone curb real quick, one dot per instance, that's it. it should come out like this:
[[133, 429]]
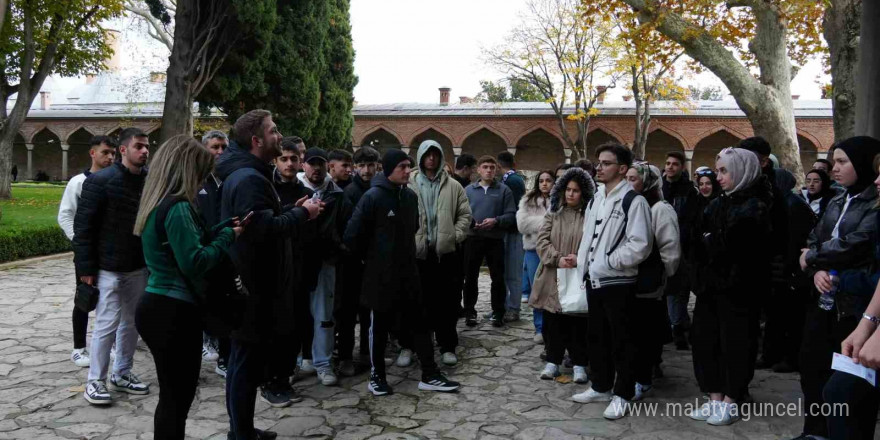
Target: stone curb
[[19, 263]]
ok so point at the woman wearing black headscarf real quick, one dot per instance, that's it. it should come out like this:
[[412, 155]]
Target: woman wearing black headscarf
[[843, 240], [818, 191]]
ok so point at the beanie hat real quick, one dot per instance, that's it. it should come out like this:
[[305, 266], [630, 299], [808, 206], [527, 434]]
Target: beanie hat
[[392, 158]]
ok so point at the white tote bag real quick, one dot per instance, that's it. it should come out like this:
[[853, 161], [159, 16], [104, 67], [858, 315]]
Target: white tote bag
[[572, 291]]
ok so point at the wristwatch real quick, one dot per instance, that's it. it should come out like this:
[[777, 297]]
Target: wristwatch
[[873, 319]]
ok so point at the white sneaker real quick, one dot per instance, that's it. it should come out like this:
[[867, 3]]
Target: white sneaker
[[307, 367], [617, 409], [642, 391], [449, 358], [580, 374], [327, 377], [550, 371], [404, 359], [705, 411], [590, 396], [96, 393], [80, 357], [725, 414], [209, 354], [538, 339]]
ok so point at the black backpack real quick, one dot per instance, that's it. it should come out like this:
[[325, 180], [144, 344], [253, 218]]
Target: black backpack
[[651, 271]]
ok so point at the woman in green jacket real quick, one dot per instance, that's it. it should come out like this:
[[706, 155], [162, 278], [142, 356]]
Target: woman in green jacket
[[178, 254]]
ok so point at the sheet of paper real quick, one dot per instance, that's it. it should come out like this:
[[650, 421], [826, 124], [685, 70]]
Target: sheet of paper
[[845, 364]]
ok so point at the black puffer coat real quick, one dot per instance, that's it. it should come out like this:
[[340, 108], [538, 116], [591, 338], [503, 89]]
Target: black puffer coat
[[262, 254], [382, 233], [735, 246], [685, 199], [103, 227]]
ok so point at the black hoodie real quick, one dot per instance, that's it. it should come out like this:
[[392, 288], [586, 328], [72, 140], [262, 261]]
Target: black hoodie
[[262, 254], [684, 198], [382, 234]]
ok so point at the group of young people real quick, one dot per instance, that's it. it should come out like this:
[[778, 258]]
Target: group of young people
[[263, 254]]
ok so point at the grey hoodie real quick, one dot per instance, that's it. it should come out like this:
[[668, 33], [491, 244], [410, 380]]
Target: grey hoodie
[[428, 189]]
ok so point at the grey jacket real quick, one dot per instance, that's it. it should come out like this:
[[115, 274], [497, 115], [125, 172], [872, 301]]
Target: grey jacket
[[496, 202]]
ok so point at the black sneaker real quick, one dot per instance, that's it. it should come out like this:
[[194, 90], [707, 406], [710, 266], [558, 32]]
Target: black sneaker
[[275, 398], [470, 318], [379, 386], [258, 435], [128, 383], [438, 382], [497, 320]]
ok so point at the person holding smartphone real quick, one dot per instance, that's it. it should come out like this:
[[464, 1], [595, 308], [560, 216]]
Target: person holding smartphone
[[178, 255]]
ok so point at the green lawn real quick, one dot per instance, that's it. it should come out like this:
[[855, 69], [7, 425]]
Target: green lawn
[[28, 227], [31, 206]]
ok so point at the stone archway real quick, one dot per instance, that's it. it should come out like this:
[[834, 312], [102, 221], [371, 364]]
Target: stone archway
[[19, 157], [47, 154], [596, 138], [660, 143], [539, 150], [483, 142], [709, 147], [78, 158], [809, 152], [440, 138], [381, 140]]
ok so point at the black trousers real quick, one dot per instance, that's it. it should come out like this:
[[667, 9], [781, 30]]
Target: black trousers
[[725, 340], [172, 329], [282, 364], [245, 372], [441, 298], [476, 250], [566, 332], [611, 346], [458, 274], [80, 321], [857, 420], [784, 324], [304, 326], [823, 333], [650, 332], [411, 320]]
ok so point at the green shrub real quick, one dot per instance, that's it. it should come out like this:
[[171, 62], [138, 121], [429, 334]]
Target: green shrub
[[17, 243]]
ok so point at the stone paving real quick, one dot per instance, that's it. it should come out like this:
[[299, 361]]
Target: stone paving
[[501, 396]]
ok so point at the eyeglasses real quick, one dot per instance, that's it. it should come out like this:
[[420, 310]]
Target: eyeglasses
[[603, 164]]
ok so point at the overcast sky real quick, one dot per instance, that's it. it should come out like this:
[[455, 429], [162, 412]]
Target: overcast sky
[[405, 50]]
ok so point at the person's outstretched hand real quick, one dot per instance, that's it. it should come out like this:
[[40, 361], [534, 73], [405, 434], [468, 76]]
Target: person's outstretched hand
[[315, 208]]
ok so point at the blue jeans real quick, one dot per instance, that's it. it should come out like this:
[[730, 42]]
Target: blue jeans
[[321, 306], [513, 263], [530, 266]]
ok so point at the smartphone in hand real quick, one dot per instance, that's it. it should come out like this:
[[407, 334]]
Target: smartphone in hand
[[246, 219]]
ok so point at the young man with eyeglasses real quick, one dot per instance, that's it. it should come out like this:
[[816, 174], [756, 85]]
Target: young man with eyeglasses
[[614, 243]]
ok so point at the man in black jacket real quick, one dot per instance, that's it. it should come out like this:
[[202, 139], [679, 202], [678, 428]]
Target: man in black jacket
[[382, 233], [262, 257], [366, 161], [109, 256], [680, 192]]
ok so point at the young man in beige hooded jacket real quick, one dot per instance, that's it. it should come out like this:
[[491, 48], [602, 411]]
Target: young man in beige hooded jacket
[[444, 216]]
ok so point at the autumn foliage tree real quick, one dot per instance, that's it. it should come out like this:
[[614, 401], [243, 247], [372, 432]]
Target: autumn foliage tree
[[564, 58], [41, 38], [755, 47]]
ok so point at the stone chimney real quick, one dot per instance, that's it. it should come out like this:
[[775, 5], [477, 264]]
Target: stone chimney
[[465, 100], [90, 78], [628, 98], [444, 95], [600, 94], [795, 97], [111, 38], [157, 77], [45, 100]]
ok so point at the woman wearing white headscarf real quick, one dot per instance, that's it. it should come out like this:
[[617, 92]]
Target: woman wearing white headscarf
[[734, 255], [650, 308]]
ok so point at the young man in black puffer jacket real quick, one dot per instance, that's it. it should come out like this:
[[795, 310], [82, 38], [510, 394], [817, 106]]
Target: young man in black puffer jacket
[[109, 256], [382, 233]]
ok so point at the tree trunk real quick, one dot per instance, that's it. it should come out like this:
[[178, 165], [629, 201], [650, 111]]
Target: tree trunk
[[868, 105], [177, 111], [841, 30], [766, 102]]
